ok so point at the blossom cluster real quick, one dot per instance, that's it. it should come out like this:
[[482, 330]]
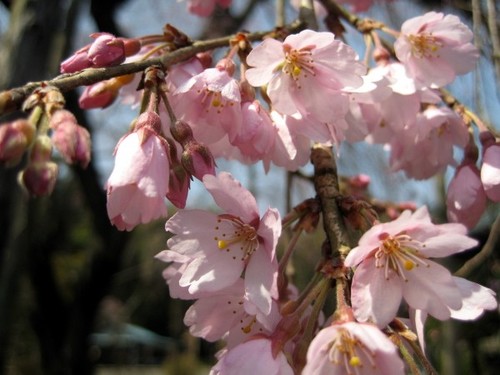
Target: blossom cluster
[[270, 102], [227, 263], [317, 90]]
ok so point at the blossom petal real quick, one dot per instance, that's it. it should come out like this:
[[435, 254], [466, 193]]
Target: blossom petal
[[231, 196], [475, 299], [374, 297]]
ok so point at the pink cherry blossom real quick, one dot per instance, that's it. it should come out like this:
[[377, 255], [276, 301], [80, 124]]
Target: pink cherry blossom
[[139, 181], [352, 348], [220, 247], [306, 73], [393, 263], [228, 314], [465, 198], [394, 104], [210, 103], [254, 356], [291, 150], [435, 48], [425, 147], [257, 134], [490, 172]]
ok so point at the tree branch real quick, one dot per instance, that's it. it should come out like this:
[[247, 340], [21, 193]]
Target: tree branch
[[327, 187], [12, 99]]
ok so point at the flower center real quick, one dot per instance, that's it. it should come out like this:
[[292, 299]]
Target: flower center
[[400, 253], [297, 62], [233, 233], [424, 45], [349, 352], [213, 99]]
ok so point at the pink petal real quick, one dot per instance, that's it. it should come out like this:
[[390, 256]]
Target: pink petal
[[432, 289], [475, 299], [261, 280], [375, 298], [231, 196]]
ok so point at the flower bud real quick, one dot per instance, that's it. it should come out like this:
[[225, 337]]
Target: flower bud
[[198, 160], [39, 178], [73, 142], [106, 50], [182, 132], [466, 199], [148, 120], [99, 95], [76, 62], [15, 138], [178, 186], [131, 46]]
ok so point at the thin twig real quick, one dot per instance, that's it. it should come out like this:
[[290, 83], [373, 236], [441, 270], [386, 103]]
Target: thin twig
[[481, 257]]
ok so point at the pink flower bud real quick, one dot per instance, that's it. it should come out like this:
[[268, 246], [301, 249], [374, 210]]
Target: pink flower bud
[[182, 132], [148, 121], [490, 172], [178, 186], [39, 178], [61, 116], [73, 142], [107, 50], [198, 160], [131, 46], [99, 95], [15, 137], [466, 199], [76, 62]]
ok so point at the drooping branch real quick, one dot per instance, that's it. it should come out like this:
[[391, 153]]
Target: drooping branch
[[12, 99]]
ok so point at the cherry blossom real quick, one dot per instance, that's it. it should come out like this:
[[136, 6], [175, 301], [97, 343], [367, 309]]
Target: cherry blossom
[[352, 348], [139, 181], [425, 147], [306, 73], [228, 314], [465, 198], [210, 103], [490, 171], [393, 263], [220, 247], [435, 48], [254, 356]]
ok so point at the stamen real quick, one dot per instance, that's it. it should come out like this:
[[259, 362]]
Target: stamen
[[424, 45], [399, 253], [236, 232], [297, 62], [347, 351]]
